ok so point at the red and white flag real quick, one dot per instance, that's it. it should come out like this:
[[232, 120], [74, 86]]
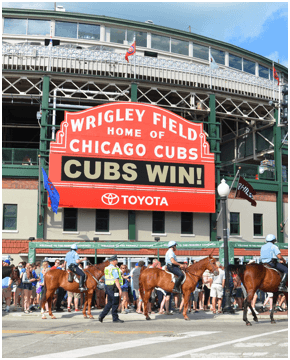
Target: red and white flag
[[131, 51], [245, 191], [275, 74]]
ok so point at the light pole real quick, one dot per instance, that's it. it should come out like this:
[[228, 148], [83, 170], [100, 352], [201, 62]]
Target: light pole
[[223, 191]]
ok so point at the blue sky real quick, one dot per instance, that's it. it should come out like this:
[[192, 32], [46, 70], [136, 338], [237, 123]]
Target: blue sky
[[261, 27]]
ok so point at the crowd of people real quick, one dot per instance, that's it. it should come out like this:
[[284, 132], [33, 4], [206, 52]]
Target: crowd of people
[[208, 296]]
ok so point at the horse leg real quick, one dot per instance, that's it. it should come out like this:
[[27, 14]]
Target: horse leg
[[186, 296], [49, 300], [146, 298], [275, 297], [85, 306], [89, 297], [246, 303]]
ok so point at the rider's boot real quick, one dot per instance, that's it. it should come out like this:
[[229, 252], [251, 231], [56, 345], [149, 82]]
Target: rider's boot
[[282, 286], [82, 287], [177, 286]]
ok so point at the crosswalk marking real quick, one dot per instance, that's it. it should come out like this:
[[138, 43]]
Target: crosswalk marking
[[204, 348], [94, 350]]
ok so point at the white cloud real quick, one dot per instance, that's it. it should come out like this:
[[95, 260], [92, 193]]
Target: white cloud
[[275, 57]]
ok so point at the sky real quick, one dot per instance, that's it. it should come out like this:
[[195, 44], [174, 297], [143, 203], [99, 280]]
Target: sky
[[260, 27]]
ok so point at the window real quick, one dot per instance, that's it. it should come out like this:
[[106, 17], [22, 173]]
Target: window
[[258, 224], [66, 29], [179, 46], [263, 72], [38, 27], [249, 66], [200, 51], [186, 223], [160, 42], [15, 26], [158, 222], [118, 35], [235, 62], [89, 32], [219, 56], [141, 38], [234, 223], [9, 217], [102, 220], [70, 219]]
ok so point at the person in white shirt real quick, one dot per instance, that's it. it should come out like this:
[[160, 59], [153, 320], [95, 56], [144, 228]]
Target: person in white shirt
[[216, 291]]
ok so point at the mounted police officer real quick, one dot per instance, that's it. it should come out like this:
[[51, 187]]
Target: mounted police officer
[[72, 260], [173, 266], [270, 254], [113, 282]]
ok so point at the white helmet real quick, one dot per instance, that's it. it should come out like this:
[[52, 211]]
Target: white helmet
[[171, 243], [271, 237], [74, 247]]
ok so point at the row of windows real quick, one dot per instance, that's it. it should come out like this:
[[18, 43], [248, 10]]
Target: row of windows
[[235, 224], [121, 36], [70, 223]]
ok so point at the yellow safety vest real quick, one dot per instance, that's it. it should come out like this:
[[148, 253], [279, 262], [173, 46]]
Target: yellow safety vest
[[109, 278]]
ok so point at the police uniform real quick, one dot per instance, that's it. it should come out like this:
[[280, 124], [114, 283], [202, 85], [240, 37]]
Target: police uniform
[[112, 273], [174, 269], [70, 259], [269, 253]]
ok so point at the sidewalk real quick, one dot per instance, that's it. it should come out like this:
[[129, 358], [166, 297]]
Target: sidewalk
[[238, 315]]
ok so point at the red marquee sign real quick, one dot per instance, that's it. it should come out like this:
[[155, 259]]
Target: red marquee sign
[[132, 156]]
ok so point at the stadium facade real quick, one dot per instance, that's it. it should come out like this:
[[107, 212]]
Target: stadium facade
[[54, 62]]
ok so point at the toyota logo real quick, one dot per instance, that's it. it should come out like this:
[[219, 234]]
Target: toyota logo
[[110, 199]]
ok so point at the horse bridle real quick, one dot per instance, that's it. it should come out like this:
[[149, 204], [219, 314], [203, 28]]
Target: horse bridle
[[97, 281]]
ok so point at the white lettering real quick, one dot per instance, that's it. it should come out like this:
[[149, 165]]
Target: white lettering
[[77, 124], [128, 114], [140, 115], [156, 149], [156, 117], [103, 147], [118, 116], [90, 122], [109, 118], [72, 143], [117, 149], [172, 125], [87, 146], [128, 149], [140, 150]]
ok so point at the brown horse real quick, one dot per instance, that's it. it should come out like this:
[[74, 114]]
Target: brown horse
[[151, 278], [254, 277], [56, 278]]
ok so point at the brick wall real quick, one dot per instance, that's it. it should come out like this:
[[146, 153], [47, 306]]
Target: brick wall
[[12, 183], [262, 196]]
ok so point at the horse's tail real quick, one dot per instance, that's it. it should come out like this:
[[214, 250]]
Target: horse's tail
[[141, 284], [43, 295], [237, 269]]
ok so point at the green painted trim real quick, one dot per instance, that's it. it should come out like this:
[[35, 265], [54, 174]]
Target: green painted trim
[[130, 24], [20, 171], [131, 225], [134, 89]]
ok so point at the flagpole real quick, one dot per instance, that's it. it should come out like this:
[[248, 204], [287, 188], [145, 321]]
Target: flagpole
[[39, 191], [273, 77], [209, 56], [135, 57]]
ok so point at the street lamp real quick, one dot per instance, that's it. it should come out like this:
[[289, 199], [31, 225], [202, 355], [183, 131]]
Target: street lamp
[[223, 191], [157, 239]]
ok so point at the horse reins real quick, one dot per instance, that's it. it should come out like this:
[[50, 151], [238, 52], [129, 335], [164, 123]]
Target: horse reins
[[97, 281]]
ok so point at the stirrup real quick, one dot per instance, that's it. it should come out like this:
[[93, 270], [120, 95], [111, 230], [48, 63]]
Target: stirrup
[[70, 277], [176, 291], [81, 289], [282, 288]]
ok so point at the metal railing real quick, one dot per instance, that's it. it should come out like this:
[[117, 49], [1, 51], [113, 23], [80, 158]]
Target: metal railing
[[106, 63], [14, 156]]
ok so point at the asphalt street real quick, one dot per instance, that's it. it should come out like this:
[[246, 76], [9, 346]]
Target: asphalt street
[[205, 336]]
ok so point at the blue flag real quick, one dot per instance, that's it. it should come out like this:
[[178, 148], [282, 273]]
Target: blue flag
[[212, 64], [52, 192]]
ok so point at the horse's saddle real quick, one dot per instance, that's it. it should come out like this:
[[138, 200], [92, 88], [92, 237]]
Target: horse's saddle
[[174, 277], [271, 268], [74, 277]]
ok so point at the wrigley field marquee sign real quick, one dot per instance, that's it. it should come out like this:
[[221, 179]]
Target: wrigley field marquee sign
[[132, 156]]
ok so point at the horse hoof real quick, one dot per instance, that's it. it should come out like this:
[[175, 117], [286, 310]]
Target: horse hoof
[[186, 319], [248, 324], [43, 317], [91, 317], [256, 320], [148, 318], [273, 322], [85, 317], [53, 317]]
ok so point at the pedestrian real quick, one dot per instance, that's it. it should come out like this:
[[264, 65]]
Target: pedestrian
[[27, 280], [6, 292], [56, 264], [100, 293], [113, 282], [136, 291], [33, 290], [238, 292], [76, 297], [123, 307], [6, 262], [269, 300], [216, 291], [206, 285], [60, 291]]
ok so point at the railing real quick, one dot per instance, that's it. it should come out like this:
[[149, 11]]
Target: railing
[[25, 157], [251, 171], [106, 63]]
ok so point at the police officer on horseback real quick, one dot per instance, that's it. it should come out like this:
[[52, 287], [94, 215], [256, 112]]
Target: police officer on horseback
[[270, 254], [173, 266], [72, 260]]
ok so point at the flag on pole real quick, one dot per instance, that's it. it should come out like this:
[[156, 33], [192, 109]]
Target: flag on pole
[[212, 64], [275, 74], [131, 51], [52, 192], [245, 191]]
